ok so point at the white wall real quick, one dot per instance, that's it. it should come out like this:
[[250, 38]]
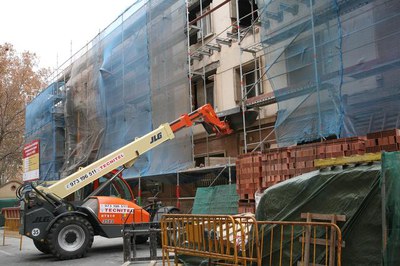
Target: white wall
[[229, 58]]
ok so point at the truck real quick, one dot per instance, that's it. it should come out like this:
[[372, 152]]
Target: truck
[[65, 228]]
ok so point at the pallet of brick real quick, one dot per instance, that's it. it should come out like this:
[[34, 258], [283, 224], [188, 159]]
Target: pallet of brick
[[304, 151], [344, 147], [372, 141], [271, 180], [276, 162], [303, 157], [350, 146], [248, 169], [334, 148], [275, 167], [243, 173], [245, 206], [387, 140], [357, 145], [320, 150], [292, 161]]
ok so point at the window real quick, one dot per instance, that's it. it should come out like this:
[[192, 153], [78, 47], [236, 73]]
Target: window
[[203, 27], [210, 93], [204, 24], [117, 188], [200, 95], [248, 12], [252, 82]]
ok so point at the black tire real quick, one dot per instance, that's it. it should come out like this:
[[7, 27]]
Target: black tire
[[42, 246], [70, 237], [141, 239]]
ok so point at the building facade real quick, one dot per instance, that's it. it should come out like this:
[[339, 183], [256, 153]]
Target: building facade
[[282, 72]]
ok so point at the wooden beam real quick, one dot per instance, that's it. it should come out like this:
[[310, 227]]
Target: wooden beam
[[368, 157], [324, 217]]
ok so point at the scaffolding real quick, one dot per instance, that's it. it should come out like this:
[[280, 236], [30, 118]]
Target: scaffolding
[[332, 65], [240, 34], [128, 80], [44, 118]]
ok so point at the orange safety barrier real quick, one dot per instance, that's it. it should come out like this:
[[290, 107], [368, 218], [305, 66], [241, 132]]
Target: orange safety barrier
[[304, 243], [11, 224], [241, 240], [216, 237]]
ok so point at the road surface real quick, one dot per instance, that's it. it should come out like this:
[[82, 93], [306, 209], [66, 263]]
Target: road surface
[[103, 252]]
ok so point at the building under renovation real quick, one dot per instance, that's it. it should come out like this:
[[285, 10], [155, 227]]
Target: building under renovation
[[298, 80]]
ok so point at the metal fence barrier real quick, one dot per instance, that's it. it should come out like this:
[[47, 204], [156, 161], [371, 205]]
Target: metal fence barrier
[[241, 240], [11, 224], [129, 243]]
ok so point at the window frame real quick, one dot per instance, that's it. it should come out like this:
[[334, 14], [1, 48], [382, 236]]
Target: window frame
[[206, 30]]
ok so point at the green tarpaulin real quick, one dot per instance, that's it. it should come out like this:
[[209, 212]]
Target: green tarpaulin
[[371, 235], [355, 191], [391, 192], [216, 200]]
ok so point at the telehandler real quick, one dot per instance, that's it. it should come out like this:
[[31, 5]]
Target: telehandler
[[66, 229]]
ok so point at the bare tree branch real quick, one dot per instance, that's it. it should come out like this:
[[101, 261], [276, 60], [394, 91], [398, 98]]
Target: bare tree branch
[[18, 78]]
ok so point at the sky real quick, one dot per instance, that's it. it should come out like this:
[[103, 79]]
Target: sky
[[52, 28]]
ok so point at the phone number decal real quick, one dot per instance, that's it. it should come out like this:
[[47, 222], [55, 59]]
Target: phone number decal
[[82, 178]]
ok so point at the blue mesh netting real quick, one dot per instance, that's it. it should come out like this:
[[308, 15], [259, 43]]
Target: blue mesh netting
[[44, 122], [124, 85], [333, 66], [169, 81]]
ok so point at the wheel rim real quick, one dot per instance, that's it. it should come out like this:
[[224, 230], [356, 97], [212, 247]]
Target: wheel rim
[[71, 237]]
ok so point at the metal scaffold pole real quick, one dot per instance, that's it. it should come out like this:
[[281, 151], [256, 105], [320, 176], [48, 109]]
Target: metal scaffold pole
[[243, 94], [190, 74], [317, 81]]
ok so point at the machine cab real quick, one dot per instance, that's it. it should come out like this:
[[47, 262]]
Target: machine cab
[[118, 187], [115, 203]]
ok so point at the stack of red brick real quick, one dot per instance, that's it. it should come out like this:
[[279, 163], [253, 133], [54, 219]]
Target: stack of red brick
[[341, 147], [276, 167], [284, 163], [388, 140], [258, 171], [248, 172]]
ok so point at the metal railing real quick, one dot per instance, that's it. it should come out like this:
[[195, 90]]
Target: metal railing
[[241, 240], [12, 223]]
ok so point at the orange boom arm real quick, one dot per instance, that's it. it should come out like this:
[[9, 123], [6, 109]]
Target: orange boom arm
[[204, 114]]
